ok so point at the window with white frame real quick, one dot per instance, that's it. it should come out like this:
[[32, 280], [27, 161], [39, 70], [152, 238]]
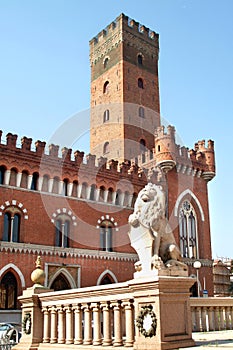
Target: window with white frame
[[62, 231], [11, 226], [106, 229], [188, 230]]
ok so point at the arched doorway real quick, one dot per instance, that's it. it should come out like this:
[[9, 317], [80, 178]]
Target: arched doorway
[[8, 291]]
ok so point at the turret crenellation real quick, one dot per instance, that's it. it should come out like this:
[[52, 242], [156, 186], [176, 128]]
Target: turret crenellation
[[26, 143]]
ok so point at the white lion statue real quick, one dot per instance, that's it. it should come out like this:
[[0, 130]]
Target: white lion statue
[[151, 235]]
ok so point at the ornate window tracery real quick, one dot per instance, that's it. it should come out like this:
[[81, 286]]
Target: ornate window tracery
[[188, 230]]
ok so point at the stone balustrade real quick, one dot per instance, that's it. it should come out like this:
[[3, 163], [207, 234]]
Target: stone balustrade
[[211, 314]]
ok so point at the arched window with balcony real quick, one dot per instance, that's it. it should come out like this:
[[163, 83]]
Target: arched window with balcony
[[188, 230], [106, 232]]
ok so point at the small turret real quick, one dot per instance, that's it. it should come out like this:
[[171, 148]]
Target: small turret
[[165, 148]]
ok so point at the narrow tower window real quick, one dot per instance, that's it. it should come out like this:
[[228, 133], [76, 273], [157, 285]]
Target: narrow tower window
[[106, 236], [140, 83], [106, 147], [141, 112], [188, 231], [140, 60], [106, 115], [106, 62], [106, 87]]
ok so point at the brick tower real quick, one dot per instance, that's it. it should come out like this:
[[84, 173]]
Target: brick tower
[[124, 90]]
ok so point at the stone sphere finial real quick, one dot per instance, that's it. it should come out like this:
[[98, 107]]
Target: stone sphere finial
[[38, 275]]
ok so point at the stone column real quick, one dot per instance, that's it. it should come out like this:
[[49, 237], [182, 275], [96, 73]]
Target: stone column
[[78, 338], [50, 185], [40, 183], [107, 337], [114, 197], [18, 179], [29, 184], [216, 319], [222, 326], [129, 323], [61, 325], [7, 176], [69, 189], [53, 313], [228, 318], [203, 319], [46, 333], [211, 318], [97, 194], [96, 324], [117, 324], [79, 190], [87, 325], [69, 325]]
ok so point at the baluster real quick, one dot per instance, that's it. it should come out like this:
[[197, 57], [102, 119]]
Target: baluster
[[97, 339], [222, 326], [61, 325], [107, 337], [228, 317], [203, 319], [129, 323], [87, 325], [53, 314], [216, 319], [117, 324], [198, 319], [231, 315], [69, 325], [78, 338], [211, 318], [46, 329], [193, 315]]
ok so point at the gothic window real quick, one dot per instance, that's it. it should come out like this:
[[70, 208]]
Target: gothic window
[[141, 112], [65, 187], [140, 83], [84, 190], [60, 283], [45, 186], [56, 185], [62, 231], [106, 229], [34, 184], [24, 179], [92, 193], [2, 173], [8, 292], [118, 197], [110, 195], [106, 280], [106, 148], [102, 192], [106, 87], [142, 146], [11, 228], [106, 115], [140, 59], [75, 189], [13, 177], [188, 230]]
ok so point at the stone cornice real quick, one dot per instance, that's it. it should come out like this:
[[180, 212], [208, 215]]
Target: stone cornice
[[27, 248]]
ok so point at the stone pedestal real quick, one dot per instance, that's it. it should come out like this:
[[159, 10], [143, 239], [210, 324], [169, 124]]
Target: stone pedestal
[[168, 298], [31, 315]]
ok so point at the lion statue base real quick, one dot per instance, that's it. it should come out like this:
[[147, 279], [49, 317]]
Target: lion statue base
[[152, 237]]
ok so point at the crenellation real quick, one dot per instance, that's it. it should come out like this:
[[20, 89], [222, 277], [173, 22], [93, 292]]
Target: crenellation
[[78, 157], [90, 159], [113, 165], [53, 150], [66, 154], [40, 147], [0, 136], [26, 143], [11, 140]]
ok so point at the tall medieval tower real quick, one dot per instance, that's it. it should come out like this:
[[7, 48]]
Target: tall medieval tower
[[124, 90]]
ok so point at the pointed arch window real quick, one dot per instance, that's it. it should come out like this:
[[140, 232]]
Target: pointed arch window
[[106, 229], [62, 232], [106, 62], [11, 227], [188, 230], [60, 283], [8, 291]]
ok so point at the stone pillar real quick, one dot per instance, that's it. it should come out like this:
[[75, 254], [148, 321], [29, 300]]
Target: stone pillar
[[46, 333], [222, 326], [228, 318], [18, 179], [107, 337], [79, 190], [69, 325], [216, 319], [7, 176], [78, 339], [50, 185], [211, 318], [53, 313], [198, 318], [117, 324], [61, 325], [69, 189], [40, 183], [32, 318], [87, 325], [162, 312], [129, 323], [203, 318], [96, 324], [29, 184]]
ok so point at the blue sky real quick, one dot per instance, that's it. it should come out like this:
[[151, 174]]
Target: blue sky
[[45, 75]]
